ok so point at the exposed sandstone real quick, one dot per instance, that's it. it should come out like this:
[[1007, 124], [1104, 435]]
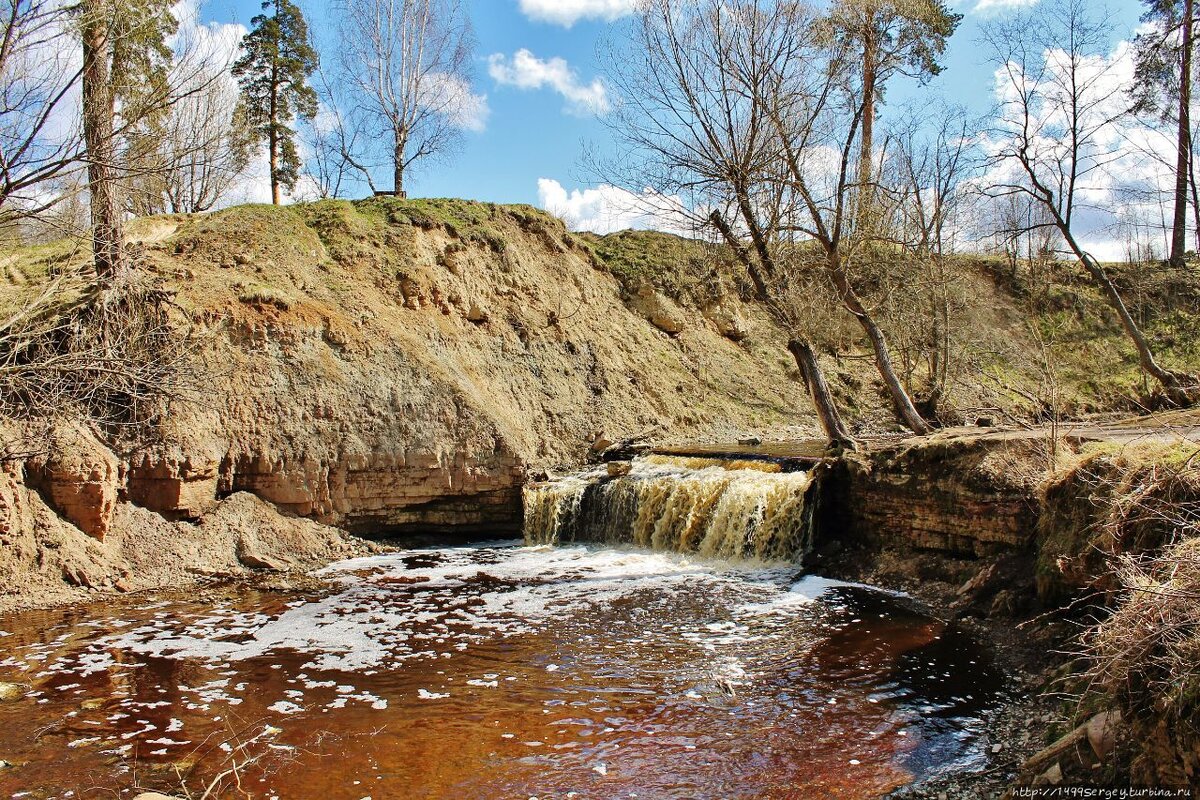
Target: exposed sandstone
[[728, 321], [962, 496], [477, 313], [185, 487], [662, 312], [79, 478]]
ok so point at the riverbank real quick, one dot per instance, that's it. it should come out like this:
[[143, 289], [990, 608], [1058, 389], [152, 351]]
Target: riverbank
[[1092, 605], [404, 368], [982, 529]]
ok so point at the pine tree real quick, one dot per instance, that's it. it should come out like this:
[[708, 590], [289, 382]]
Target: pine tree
[[892, 36], [125, 65], [273, 74], [1163, 86]]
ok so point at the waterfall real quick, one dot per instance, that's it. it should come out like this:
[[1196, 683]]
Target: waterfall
[[726, 509]]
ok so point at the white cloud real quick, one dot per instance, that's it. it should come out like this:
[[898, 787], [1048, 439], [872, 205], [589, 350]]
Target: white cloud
[[1000, 6], [605, 209], [1125, 189], [568, 12], [452, 97], [214, 41], [527, 71]]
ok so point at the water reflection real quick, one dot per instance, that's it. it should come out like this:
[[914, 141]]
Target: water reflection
[[497, 672]]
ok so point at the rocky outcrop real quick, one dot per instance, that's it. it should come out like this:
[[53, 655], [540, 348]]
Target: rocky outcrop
[[78, 476], [659, 310], [968, 496], [728, 321], [178, 487], [390, 492]]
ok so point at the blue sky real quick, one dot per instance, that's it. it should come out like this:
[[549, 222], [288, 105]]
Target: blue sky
[[534, 133]]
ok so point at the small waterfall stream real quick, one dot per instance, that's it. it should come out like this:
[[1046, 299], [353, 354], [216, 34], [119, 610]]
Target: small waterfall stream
[[718, 508], [582, 670]]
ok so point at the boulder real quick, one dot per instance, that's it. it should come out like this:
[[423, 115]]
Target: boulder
[[1052, 776], [1102, 732], [618, 469], [11, 691], [729, 323], [601, 443], [478, 313], [249, 553]]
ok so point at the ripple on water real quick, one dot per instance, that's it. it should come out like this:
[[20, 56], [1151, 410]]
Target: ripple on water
[[500, 671]]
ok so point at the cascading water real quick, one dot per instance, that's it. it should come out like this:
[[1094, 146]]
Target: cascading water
[[725, 509]]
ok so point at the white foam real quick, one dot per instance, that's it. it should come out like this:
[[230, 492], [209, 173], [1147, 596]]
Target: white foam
[[374, 619]]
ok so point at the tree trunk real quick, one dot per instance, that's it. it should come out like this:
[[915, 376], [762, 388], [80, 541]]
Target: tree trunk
[[273, 157], [273, 130], [1181, 389], [1177, 392], [398, 165], [814, 379], [757, 237], [108, 235], [743, 255], [1195, 191], [866, 158], [1179, 223], [883, 360], [801, 350]]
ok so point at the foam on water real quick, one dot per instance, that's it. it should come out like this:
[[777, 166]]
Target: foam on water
[[368, 624], [563, 659]]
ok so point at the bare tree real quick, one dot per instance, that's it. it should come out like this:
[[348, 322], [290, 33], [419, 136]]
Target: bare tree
[[929, 171], [39, 141], [206, 148], [123, 80], [1026, 236], [748, 109], [692, 129], [816, 109], [409, 63], [1054, 141], [197, 151], [335, 140]]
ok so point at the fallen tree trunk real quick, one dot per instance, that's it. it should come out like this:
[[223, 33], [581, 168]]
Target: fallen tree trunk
[[810, 369]]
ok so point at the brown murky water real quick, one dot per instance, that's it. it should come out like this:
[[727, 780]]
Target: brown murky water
[[496, 671]]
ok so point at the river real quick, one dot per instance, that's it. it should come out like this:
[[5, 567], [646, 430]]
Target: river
[[497, 670]]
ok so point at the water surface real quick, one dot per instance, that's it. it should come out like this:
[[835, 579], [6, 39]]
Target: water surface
[[497, 671]]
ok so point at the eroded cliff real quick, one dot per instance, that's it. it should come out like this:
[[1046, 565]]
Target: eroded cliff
[[389, 367]]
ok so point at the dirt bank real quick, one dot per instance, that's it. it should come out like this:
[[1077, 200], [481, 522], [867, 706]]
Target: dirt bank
[[383, 367], [1076, 557]]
